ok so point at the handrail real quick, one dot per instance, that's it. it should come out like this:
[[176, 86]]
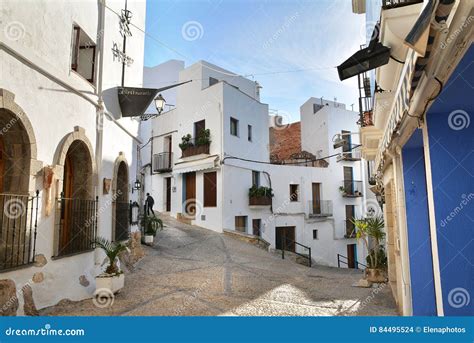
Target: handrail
[[339, 261], [283, 246]]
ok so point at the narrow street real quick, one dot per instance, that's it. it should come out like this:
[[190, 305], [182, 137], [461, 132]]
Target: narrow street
[[193, 271]]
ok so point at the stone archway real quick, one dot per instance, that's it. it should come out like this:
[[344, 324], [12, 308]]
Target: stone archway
[[121, 206], [77, 204]]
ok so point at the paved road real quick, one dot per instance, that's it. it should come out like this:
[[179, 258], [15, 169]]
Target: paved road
[[193, 271]]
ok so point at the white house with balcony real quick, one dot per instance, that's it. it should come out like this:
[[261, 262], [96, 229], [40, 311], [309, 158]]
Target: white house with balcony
[[207, 152], [66, 154]]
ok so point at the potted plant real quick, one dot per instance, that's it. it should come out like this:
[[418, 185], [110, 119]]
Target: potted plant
[[371, 229], [342, 189], [204, 137], [151, 225], [185, 142], [260, 195], [112, 278]]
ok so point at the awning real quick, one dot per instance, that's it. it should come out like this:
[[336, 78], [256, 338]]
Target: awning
[[187, 166]]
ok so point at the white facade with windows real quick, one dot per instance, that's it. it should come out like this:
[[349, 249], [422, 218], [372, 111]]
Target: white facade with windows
[[58, 92], [228, 105]]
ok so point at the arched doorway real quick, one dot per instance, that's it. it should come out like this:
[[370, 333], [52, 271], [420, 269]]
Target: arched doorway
[[77, 203], [16, 236], [121, 204]]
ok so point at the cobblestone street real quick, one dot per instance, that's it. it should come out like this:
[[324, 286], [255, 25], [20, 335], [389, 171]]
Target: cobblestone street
[[192, 271]]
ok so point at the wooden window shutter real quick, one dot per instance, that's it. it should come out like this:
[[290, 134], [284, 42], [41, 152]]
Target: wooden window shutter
[[210, 189]]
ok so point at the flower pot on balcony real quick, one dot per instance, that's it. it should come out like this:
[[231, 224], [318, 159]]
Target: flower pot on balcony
[[113, 282], [375, 275], [195, 150], [260, 200]]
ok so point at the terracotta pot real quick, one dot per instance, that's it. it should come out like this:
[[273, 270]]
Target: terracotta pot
[[375, 275]]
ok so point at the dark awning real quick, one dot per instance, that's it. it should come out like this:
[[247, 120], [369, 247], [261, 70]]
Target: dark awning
[[374, 56]]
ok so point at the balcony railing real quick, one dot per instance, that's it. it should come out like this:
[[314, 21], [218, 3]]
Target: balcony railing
[[77, 225], [194, 147], [19, 222], [351, 188], [353, 155], [349, 229], [163, 162], [320, 208], [387, 4]]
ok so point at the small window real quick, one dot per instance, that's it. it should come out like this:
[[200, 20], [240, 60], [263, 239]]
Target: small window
[[212, 81], [241, 223], [234, 127], [294, 192], [249, 132], [210, 189], [315, 234], [256, 226], [255, 178], [83, 54]]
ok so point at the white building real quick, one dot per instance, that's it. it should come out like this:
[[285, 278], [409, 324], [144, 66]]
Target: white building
[[62, 132], [208, 184]]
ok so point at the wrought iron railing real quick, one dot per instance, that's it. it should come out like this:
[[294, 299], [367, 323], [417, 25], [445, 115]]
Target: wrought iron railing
[[19, 223], [122, 220], [77, 225], [163, 162], [351, 188], [341, 259], [387, 4], [292, 246], [354, 155], [320, 208]]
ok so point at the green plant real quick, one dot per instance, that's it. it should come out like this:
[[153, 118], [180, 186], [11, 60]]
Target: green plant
[[112, 250], [261, 191], [342, 189], [204, 137], [185, 142], [152, 225], [370, 230]]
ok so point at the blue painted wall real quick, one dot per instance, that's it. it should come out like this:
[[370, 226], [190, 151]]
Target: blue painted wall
[[419, 241], [451, 138]]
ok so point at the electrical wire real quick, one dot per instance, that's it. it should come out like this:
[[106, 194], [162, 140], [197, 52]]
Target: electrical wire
[[287, 164], [420, 117], [396, 60]]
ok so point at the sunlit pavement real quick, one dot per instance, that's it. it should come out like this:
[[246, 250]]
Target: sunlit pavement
[[192, 271]]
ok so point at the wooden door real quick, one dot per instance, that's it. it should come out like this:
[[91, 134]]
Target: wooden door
[[287, 234], [3, 157], [68, 192], [168, 194], [190, 200], [316, 198], [256, 226], [348, 184], [198, 127], [347, 146], [241, 224], [351, 255]]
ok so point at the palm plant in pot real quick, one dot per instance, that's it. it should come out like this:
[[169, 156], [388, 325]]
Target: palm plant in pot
[[370, 231], [113, 278], [151, 225]]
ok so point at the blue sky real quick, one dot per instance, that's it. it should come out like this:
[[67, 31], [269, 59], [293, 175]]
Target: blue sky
[[264, 38]]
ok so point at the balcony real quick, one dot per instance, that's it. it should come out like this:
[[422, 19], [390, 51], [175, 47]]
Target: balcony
[[195, 146], [260, 196], [351, 188], [163, 162], [349, 156], [320, 208]]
